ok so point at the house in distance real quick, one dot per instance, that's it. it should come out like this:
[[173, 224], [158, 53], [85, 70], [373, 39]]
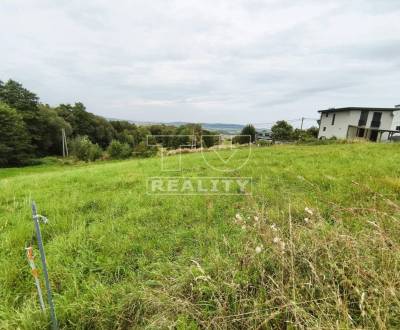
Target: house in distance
[[374, 124]]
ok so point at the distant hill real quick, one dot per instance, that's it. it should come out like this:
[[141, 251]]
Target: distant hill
[[214, 127]]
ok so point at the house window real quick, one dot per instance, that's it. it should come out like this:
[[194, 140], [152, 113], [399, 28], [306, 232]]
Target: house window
[[324, 129], [397, 128], [333, 119], [376, 120], [363, 118]]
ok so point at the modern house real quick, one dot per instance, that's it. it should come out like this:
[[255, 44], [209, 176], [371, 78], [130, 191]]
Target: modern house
[[263, 135], [375, 124]]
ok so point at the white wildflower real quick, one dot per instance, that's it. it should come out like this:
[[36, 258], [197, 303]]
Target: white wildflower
[[306, 220], [273, 227], [276, 240], [238, 217], [280, 243], [309, 211], [256, 218], [258, 249]]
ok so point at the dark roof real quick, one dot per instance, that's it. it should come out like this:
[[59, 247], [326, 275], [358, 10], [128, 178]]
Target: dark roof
[[359, 108]]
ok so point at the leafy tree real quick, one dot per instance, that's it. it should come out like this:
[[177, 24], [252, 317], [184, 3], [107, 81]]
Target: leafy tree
[[209, 138], [247, 135], [18, 97], [249, 130], [84, 123], [141, 135], [14, 140], [282, 131], [124, 131], [118, 150], [26, 104], [42, 123], [313, 131], [165, 135], [51, 124], [104, 132]]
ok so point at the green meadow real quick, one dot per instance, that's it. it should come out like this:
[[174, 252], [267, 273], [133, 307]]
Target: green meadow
[[313, 244]]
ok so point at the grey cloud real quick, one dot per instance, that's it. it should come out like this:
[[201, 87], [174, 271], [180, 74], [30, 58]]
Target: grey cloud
[[385, 50], [302, 93], [237, 60]]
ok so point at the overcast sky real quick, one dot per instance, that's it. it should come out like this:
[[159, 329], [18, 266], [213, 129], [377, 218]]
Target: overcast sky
[[232, 61]]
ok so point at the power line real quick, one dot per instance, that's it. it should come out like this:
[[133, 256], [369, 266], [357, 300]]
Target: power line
[[288, 120]]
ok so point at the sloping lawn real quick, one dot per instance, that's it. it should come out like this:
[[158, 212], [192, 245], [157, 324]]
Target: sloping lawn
[[315, 244]]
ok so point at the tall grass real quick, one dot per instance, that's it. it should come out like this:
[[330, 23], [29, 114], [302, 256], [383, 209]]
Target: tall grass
[[315, 246]]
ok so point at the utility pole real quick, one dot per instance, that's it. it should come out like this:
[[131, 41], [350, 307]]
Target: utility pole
[[64, 143], [302, 121]]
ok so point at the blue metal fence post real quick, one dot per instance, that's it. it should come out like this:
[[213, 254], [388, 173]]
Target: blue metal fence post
[[44, 265]]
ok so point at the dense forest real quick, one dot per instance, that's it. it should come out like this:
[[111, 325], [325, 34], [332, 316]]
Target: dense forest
[[30, 130]]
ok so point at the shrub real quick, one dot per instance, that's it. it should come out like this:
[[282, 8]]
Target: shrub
[[264, 143], [143, 150], [118, 150], [333, 140], [83, 149]]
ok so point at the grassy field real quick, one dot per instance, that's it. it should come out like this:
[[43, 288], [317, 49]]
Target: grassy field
[[315, 245]]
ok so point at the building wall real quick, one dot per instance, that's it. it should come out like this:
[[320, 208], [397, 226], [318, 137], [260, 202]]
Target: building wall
[[342, 121], [386, 119], [389, 121], [396, 120]]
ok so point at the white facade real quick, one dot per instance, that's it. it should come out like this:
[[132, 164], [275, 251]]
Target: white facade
[[396, 121], [347, 123]]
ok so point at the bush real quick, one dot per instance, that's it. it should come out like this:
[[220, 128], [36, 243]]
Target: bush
[[333, 140], [143, 150], [264, 143], [83, 149], [118, 150]]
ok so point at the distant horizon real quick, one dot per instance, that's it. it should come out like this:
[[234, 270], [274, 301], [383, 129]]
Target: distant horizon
[[257, 125], [176, 121]]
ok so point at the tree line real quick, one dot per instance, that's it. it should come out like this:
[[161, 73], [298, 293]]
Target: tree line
[[30, 129], [281, 131]]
